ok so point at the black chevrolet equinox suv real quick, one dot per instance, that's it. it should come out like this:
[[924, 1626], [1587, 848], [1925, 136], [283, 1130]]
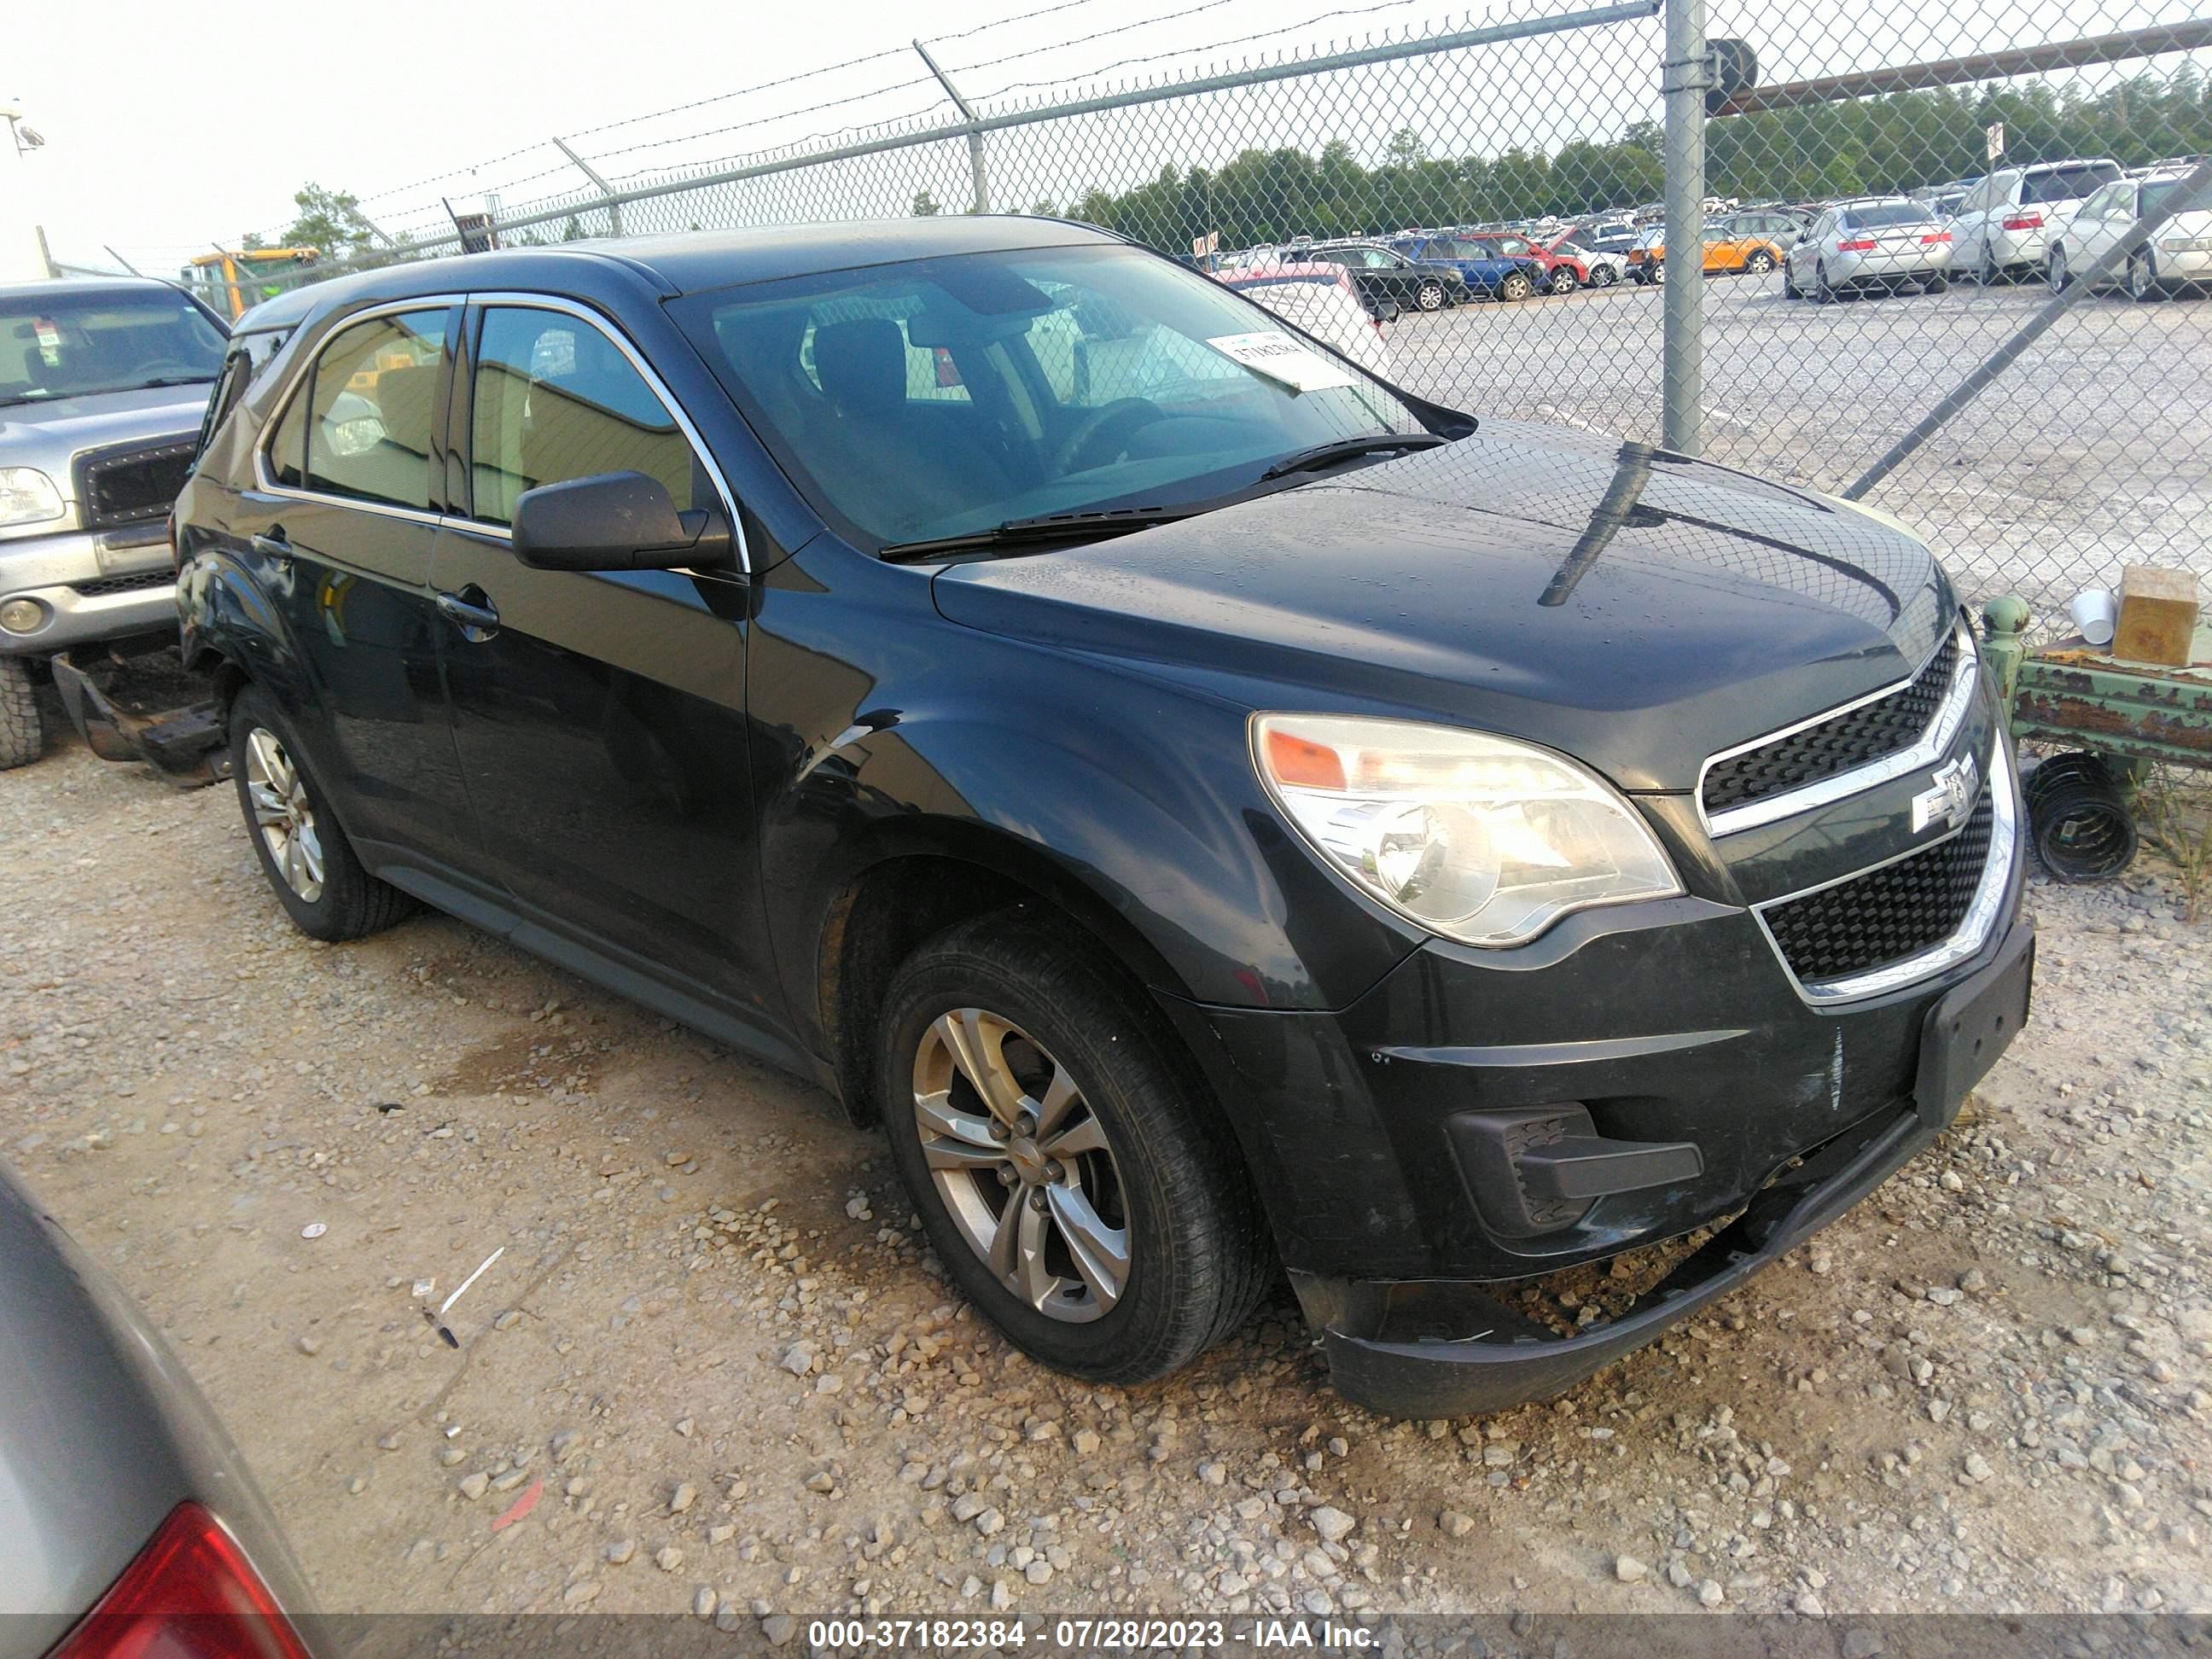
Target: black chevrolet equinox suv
[[1222, 815]]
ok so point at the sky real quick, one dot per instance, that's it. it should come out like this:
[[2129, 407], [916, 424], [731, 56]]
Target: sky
[[185, 128]]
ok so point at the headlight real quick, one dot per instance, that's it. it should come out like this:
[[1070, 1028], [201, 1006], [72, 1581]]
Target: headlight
[[1478, 838], [27, 496]]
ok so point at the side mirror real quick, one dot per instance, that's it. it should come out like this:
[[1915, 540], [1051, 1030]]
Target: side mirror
[[616, 521]]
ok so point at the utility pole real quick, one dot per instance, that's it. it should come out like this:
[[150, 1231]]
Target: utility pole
[[974, 139], [1684, 77], [613, 208]]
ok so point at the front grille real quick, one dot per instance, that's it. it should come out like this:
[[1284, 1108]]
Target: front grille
[[130, 484], [132, 584], [1840, 743], [1886, 914]]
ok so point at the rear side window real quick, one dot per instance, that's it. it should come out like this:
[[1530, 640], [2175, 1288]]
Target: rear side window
[[369, 418], [555, 400]]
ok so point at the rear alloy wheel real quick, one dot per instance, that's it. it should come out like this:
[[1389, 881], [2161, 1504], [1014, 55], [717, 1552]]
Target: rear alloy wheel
[[1760, 261], [1603, 276], [2143, 275], [1562, 282], [2055, 271], [310, 864], [23, 730], [1515, 286], [1069, 1172], [1430, 296]]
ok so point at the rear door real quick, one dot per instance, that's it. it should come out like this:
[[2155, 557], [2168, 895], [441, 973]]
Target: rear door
[[339, 531], [599, 716]]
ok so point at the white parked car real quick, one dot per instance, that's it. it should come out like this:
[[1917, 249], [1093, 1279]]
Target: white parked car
[[1886, 242], [2181, 252], [2006, 224], [1320, 300], [1606, 267]]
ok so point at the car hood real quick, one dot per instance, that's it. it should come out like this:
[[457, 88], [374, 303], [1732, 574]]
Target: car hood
[[47, 433], [1633, 608]]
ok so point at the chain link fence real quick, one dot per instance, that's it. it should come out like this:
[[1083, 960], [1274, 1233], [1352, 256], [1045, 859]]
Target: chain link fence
[[1886, 207]]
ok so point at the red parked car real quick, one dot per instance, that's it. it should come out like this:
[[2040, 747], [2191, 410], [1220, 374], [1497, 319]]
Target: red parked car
[[1563, 272]]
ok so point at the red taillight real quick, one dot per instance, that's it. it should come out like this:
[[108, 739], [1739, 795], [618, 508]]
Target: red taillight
[[2025, 221], [191, 1594], [1934, 237], [1857, 245]]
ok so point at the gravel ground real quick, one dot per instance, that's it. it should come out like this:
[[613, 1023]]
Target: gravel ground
[[2091, 451], [738, 1385]]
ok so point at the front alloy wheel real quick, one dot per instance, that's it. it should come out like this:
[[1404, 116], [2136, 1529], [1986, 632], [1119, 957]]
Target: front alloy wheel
[[2142, 276], [1072, 1169], [2057, 271], [1022, 1163], [1563, 280], [1515, 286], [1430, 296], [1760, 261]]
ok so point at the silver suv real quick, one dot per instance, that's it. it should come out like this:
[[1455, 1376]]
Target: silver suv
[[103, 385]]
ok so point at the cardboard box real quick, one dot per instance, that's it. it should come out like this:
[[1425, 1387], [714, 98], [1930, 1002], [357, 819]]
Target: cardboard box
[[2158, 615]]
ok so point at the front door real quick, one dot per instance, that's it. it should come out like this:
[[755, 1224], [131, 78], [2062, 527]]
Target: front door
[[341, 534], [600, 717]]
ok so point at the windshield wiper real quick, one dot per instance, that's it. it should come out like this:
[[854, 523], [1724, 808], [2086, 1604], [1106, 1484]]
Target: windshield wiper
[[1351, 449], [167, 380], [1045, 527]]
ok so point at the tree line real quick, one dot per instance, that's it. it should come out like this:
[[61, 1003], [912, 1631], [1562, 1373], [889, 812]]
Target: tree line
[[1865, 147]]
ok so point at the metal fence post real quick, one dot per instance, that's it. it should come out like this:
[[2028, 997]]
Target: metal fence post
[[614, 203], [982, 200], [1683, 79]]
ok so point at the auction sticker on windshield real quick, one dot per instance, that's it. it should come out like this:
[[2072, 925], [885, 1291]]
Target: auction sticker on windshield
[[1280, 358]]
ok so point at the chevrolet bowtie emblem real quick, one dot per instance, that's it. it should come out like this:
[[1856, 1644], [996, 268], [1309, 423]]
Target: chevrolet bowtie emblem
[[1950, 798]]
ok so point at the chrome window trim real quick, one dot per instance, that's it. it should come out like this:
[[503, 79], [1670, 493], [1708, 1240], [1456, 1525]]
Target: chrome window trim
[[293, 387], [607, 326], [1950, 713], [1974, 928]]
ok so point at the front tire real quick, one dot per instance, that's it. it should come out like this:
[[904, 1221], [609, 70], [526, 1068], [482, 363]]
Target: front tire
[[1789, 289], [2056, 271], [1430, 296], [1991, 273], [1822, 293], [1068, 1171], [1562, 282], [1515, 286], [310, 864], [1604, 277], [22, 729], [2142, 276]]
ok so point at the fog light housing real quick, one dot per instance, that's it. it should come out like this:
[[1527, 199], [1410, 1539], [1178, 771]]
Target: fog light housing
[[22, 616]]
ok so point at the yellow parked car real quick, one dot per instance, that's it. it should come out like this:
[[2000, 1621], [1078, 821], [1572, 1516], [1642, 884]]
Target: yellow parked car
[[1753, 242]]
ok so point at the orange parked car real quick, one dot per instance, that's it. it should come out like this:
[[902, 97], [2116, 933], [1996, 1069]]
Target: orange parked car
[[1753, 242]]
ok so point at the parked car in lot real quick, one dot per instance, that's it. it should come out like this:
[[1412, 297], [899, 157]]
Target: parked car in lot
[[130, 1526], [1322, 300], [1889, 243], [102, 385], [1269, 823], [2005, 224], [1478, 263], [1383, 274], [1600, 268], [1559, 273], [1735, 243], [2180, 254], [1614, 236]]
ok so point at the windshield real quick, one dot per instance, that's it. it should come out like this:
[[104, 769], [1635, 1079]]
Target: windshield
[[2163, 193], [941, 397], [71, 343], [1886, 213], [2069, 184]]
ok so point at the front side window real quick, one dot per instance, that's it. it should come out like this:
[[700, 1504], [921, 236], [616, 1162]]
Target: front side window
[[1098, 376], [64, 342], [556, 399], [369, 410]]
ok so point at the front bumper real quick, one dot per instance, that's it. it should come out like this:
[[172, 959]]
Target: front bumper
[[90, 587], [1392, 1141]]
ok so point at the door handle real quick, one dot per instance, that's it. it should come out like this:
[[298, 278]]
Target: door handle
[[472, 611], [273, 545]]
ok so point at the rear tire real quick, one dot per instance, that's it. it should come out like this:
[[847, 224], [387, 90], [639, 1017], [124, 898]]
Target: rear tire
[[310, 864], [1604, 277], [22, 728], [1760, 261], [1087, 1156]]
